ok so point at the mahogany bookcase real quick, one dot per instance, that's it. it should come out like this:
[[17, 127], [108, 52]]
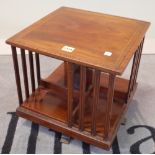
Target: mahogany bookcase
[[85, 97]]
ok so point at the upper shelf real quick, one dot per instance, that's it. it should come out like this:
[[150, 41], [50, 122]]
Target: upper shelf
[[90, 33]]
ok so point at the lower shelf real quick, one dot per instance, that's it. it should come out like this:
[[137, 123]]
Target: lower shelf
[[52, 106], [48, 109], [62, 127]]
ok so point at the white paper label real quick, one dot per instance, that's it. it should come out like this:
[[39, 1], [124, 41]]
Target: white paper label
[[108, 53], [68, 49]]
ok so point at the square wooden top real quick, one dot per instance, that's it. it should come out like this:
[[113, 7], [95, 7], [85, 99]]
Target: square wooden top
[[90, 33]]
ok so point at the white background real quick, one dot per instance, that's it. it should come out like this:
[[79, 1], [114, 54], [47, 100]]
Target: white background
[[18, 14]]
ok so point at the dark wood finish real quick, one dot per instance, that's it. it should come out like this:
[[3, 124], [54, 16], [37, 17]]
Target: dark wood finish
[[38, 68], [69, 93], [65, 73], [109, 104], [48, 105], [131, 75], [83, 98], [55, 82], [90, 33], [135, 68], [58, 90], [61, 127], [96, 91], [32, 70], [17, 75], [25, 73], [140, 48]]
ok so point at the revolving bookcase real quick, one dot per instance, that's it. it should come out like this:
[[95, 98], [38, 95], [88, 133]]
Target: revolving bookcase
[[85, 97]]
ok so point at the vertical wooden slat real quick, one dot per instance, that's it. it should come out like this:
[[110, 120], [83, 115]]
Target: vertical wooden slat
[[38, 68], [132, 73], [109, 103], [65, 73], [32, 70], [135, 68], [82, 97], [95, 100], [24, 66], [69, 93], [140, 48], [17, 75]]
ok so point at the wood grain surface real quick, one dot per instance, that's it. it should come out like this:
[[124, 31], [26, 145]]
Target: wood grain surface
[[90, 33]]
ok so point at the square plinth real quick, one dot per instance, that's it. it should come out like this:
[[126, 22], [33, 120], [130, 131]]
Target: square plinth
[[93, 35]]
